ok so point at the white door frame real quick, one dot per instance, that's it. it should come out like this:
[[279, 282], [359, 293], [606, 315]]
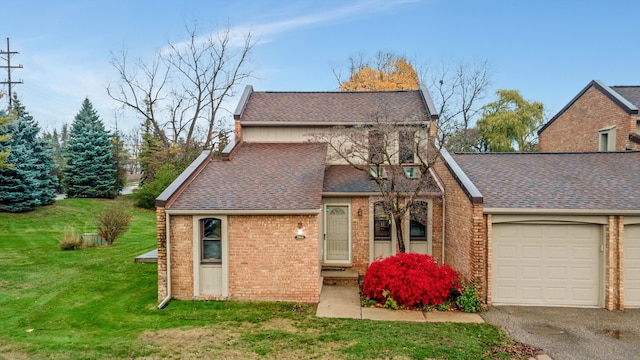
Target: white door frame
[[324, 238]]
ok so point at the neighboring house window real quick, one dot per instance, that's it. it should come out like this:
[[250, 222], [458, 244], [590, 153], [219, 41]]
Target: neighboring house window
[[407, 146], [210, 230], [376, 147], [418, 223], [381, 222], [607, 138]]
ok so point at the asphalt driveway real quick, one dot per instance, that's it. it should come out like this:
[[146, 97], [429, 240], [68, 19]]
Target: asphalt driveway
[[570, 333]]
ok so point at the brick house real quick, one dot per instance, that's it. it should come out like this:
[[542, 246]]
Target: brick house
[[599, 118], [262, 222]]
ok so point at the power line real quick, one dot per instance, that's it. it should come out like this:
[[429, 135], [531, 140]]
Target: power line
[[9, 67]]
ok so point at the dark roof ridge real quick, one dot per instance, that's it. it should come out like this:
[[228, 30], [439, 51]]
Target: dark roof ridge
[[626, 86], [332, 91]]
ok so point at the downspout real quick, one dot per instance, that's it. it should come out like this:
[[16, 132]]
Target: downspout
[[441, 187], [165, 301]]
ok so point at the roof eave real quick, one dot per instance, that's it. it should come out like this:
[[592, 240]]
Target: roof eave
[[474, 195], [539, 211], [183, 178]]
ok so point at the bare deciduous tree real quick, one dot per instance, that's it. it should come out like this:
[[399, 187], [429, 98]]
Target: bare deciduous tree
[[185, 86], [385, 149], [458, 93]]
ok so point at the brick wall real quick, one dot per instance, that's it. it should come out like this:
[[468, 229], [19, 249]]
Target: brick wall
[[181, 243], [465, 238], [360, 234], [436, 226], [161, 235], [576, 129], [267, 263]]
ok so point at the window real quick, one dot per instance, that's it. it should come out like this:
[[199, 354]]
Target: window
[[607, 139], [418, 223], [210, 230], [407, 146], [381, 222], [376, 147]]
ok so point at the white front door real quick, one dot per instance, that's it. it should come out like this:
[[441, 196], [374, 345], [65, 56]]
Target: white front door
[[337, 244]]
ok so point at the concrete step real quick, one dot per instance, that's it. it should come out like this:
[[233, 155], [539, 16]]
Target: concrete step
[[335, 276]]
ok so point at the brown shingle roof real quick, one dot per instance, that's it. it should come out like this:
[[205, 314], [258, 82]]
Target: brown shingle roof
[[347, 179], [599, 181], [259, 177], [333, 107]]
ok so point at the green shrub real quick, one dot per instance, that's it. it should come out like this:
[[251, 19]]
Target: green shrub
[[468, 300], [111, 224], [145, 196], [70, 241], [389, 303]]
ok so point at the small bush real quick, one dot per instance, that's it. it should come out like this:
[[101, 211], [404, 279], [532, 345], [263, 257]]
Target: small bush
[[70, 241], [410, 280], [111, 224], [468, 300]]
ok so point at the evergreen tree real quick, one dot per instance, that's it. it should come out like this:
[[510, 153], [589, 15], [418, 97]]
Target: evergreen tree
[[90, 171], [30, 182], [120, 156]]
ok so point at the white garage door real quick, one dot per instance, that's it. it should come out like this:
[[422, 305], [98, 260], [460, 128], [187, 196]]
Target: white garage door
[[547, 265], [632, 266]]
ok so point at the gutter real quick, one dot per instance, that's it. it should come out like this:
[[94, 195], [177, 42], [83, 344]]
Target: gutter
[[444, 213], [165, 301], [526, 211]]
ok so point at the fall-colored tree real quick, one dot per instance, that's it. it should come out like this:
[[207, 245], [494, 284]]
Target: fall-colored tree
[[510, 123], [391, 72]]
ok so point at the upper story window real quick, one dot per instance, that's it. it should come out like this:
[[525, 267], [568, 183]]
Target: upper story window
[[381, 222], [376, 147], [407, 146], [607, 138], [210, 236]]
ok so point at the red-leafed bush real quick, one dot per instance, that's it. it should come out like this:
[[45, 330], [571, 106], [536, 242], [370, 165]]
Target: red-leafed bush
[[411, 280]]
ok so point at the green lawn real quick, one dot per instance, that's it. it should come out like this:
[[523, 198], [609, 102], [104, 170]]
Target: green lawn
[[97, 303]]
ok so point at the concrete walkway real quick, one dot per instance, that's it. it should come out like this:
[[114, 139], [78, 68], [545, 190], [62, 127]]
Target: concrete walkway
[[344, 302]]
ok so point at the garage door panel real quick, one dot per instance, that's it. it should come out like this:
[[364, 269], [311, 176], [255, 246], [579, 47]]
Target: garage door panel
[[557, 265], [632, 266]]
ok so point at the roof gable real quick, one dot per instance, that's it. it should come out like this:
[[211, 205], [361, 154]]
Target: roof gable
[[612, 94], [585, 181]]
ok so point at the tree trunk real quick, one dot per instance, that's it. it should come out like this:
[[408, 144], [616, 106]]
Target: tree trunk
[[400, 235]]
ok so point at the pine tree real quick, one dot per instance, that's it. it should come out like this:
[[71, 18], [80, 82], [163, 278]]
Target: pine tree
[[30, 182], [90, 171]]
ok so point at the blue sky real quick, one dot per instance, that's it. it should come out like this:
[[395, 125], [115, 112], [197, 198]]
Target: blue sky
[[549, 50]]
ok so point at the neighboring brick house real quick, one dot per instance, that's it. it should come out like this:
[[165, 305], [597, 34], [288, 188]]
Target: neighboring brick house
[[545, 229], [263, 221], [599, 118]]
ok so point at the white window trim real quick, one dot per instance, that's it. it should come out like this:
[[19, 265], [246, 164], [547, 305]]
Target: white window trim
[[610, 133], [197, 248]]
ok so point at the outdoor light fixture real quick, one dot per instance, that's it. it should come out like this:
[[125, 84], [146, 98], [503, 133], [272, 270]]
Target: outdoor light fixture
[[300, 234], [360, 211]]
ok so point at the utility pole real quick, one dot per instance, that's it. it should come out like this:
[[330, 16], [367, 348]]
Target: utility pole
[[8, 81]]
